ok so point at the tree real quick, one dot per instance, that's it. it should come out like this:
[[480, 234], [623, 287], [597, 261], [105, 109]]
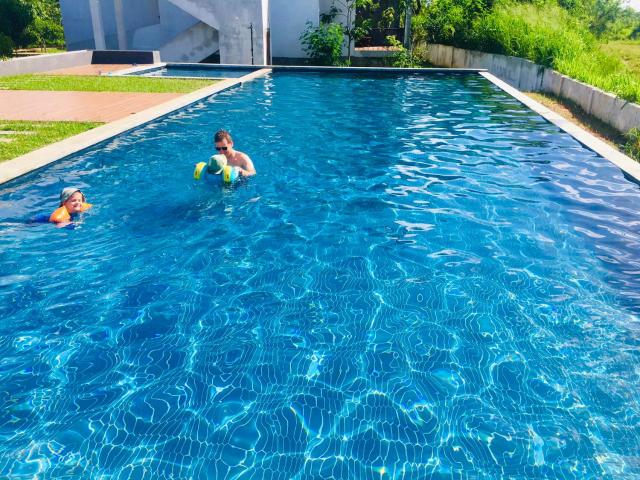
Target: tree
[[15, 16], [603, 15], [353, 28], [44, 32]]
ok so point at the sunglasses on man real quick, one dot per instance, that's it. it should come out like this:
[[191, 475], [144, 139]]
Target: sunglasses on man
[[224, 149]]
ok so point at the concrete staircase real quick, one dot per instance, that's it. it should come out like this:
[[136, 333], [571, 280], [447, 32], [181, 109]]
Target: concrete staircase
[[191, 45], [232, 20]]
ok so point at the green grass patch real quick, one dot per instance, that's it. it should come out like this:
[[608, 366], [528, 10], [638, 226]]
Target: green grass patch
[[20, 137], [22, 52], [626, 50], [102, 83]]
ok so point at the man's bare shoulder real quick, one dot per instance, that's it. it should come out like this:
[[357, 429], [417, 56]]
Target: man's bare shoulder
[[242, 155]]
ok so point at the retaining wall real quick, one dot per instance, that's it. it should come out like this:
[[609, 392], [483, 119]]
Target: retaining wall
[[528, 76], [43, 63]]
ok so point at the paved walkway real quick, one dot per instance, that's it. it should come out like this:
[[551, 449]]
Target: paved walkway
[[76, 106], [97, 69]]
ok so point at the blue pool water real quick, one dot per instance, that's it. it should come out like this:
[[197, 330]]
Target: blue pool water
[[425, 280], [196, 71]]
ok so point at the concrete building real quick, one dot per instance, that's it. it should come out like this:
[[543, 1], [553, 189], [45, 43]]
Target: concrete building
[[231, 31]]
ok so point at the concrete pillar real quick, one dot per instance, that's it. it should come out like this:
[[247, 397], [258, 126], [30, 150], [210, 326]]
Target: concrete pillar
[[122, 31], [265, 54], [98, 26]]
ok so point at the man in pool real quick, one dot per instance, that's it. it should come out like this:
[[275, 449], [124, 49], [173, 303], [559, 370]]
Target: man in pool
[[224, 146]]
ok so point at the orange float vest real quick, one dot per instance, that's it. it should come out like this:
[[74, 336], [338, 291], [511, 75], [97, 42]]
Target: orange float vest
[[62, 215]]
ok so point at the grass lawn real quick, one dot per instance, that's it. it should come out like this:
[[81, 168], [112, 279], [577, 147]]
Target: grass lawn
[[22, 52], [20, 137], [626, 50], [102, 83]]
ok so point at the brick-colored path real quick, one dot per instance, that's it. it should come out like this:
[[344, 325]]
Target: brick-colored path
[[76, 106]]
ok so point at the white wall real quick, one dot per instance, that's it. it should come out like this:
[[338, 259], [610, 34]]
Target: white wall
[[175, 18], [288, 21], [232, 20], [78, 30], [150, 24]]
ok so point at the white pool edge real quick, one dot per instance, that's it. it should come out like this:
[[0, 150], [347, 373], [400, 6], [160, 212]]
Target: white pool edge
[[622, 161], [19, 166]]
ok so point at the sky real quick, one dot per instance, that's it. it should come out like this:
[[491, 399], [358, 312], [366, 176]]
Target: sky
[[635, 4]]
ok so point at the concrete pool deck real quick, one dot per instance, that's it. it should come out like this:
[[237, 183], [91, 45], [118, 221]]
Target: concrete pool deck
[[95, 69], [71, 106], [37, 159], [36, 105]]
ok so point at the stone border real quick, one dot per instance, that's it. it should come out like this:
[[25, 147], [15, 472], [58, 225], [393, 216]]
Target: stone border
[[188, 66], [129, 71], [42, 157], [526, 75], [301, 68], [386, 70], [626, 164]]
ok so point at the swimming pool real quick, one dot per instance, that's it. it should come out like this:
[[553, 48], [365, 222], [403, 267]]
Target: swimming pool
[[425, 280], [195, 70]]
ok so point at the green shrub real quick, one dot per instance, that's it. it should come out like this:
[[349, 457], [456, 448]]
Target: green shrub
[[6, 46], [323, 43], [402, 58], [447, 21]]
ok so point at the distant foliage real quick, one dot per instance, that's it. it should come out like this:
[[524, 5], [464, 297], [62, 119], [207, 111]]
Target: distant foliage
[[15, 17], [32, 23], [44, 33], [323, 43]]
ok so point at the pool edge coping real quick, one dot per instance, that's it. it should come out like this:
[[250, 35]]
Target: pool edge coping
[[37, 159], [622, 161]]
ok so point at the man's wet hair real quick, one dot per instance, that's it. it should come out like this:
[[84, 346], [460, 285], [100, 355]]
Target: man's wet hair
[[222, 135]]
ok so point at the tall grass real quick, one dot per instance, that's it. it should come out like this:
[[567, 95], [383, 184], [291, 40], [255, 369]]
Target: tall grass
[[549, 35]]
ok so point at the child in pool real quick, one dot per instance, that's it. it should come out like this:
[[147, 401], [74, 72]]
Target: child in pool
[[72, 203]]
